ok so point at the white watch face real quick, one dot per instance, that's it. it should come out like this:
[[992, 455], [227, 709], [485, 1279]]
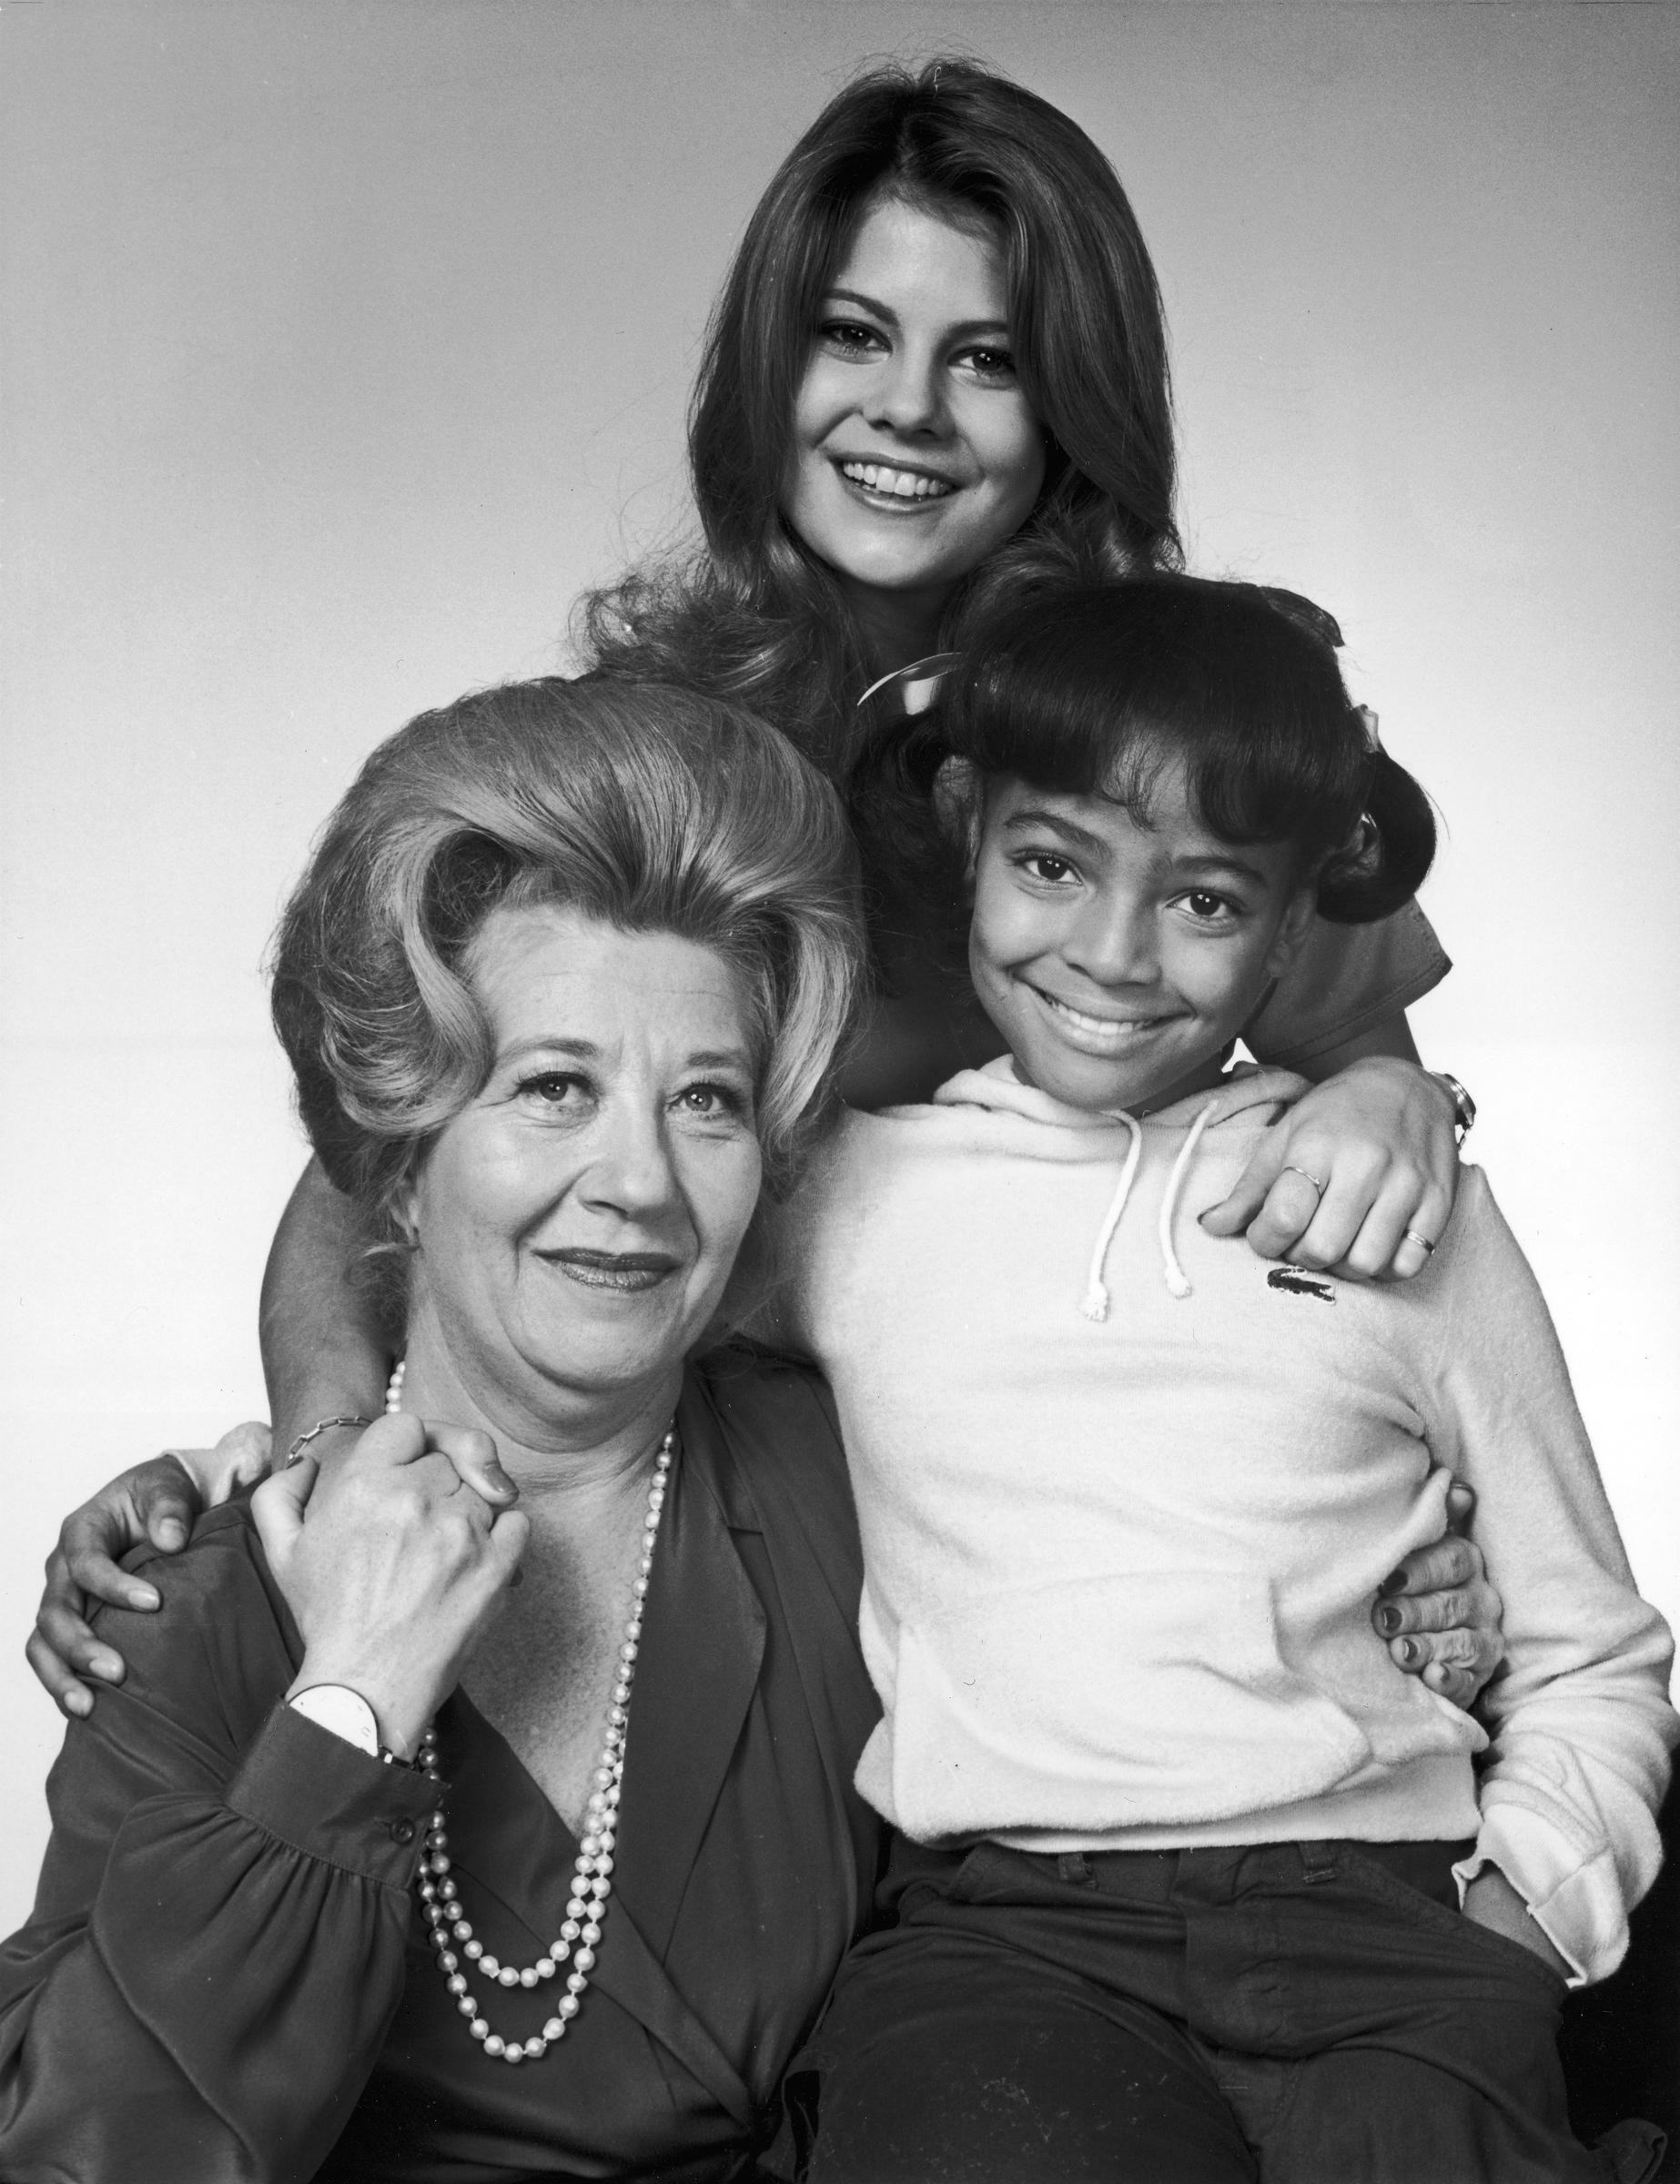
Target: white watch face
[[345, 1711]]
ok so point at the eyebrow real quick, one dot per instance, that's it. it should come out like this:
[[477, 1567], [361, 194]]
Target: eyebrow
[[587, 1050], [1033, 817], [1214, 866], [890, 317]]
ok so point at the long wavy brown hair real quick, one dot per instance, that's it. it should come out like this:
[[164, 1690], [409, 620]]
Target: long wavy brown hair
[[756, 616]]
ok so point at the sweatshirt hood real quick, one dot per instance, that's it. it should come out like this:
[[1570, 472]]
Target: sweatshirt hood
[[998, 1089]]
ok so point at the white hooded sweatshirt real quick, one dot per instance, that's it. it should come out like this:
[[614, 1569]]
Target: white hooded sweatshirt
[[1127, 1492]]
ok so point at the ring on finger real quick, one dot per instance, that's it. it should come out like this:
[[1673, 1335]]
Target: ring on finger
[[1422, 1241], [1292, 1170]]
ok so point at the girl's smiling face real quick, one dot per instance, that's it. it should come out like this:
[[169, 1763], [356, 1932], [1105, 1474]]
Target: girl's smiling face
[[914, 453], [1118, 960]]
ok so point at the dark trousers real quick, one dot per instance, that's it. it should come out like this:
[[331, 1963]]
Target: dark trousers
[[1303, 2013]]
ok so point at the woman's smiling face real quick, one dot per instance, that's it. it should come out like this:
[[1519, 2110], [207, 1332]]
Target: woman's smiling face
[[915, 454], [577, 1223]]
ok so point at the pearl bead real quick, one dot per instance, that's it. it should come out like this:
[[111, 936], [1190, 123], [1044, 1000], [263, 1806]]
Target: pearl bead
[[586, 1906]]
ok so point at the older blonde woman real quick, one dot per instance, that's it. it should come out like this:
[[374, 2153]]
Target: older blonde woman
[[363, 1828]]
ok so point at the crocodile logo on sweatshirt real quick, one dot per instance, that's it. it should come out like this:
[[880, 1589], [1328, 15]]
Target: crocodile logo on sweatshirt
[[1297, 1282]]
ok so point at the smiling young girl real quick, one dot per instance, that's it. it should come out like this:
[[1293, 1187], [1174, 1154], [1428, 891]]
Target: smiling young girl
[[1182, 1863]]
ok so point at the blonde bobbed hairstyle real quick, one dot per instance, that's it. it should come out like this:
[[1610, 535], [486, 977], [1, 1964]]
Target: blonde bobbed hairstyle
[[649, 807]]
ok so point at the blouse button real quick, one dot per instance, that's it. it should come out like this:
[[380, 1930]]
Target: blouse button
[[402, 1830]]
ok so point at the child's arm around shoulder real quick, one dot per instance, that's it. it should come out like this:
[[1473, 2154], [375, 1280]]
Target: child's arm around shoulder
[[1581, 1725]]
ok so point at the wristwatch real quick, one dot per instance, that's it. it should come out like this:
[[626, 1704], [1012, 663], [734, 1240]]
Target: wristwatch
[[1464, 1107], [344, 1712]]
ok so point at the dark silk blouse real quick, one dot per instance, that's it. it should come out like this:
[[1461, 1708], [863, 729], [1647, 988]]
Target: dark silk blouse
[[225, 1976]]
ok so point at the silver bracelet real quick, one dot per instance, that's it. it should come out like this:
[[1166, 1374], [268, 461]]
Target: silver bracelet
[[324, 1426]]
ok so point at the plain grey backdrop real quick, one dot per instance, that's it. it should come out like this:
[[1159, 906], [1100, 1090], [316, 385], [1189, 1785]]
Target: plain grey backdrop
[[346, 339]]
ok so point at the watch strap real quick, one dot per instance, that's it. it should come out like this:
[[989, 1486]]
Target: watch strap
[[1464, 1107]]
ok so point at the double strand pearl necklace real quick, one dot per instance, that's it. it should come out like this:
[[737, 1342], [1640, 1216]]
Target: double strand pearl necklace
[[451, 1934]]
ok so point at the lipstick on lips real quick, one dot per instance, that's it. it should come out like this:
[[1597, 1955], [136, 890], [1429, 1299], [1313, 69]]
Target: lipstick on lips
[[628, 1272]]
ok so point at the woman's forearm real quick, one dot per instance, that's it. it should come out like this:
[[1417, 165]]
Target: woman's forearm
[[324, 1353], [227, 1993], [217, 1945]]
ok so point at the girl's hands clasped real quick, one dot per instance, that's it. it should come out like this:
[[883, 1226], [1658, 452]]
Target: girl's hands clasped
[[393, 1568], [1357, 1179]]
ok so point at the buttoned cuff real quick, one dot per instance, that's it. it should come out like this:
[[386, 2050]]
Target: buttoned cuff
[[319, 1794]]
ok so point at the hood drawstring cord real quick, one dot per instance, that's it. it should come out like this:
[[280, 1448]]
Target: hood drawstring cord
[[1178, 1280], [1095, 1302]]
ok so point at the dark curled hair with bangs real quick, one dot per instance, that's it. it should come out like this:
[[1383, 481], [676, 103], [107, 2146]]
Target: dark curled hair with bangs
[[757, 615], [1097, 691]]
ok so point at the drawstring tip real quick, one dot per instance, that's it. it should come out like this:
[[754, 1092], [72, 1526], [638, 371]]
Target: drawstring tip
[[1178, 1281], [1094, 1304]]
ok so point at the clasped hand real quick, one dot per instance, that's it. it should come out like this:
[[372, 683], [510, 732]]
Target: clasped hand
[[1352, 1176], [393, 1567]]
